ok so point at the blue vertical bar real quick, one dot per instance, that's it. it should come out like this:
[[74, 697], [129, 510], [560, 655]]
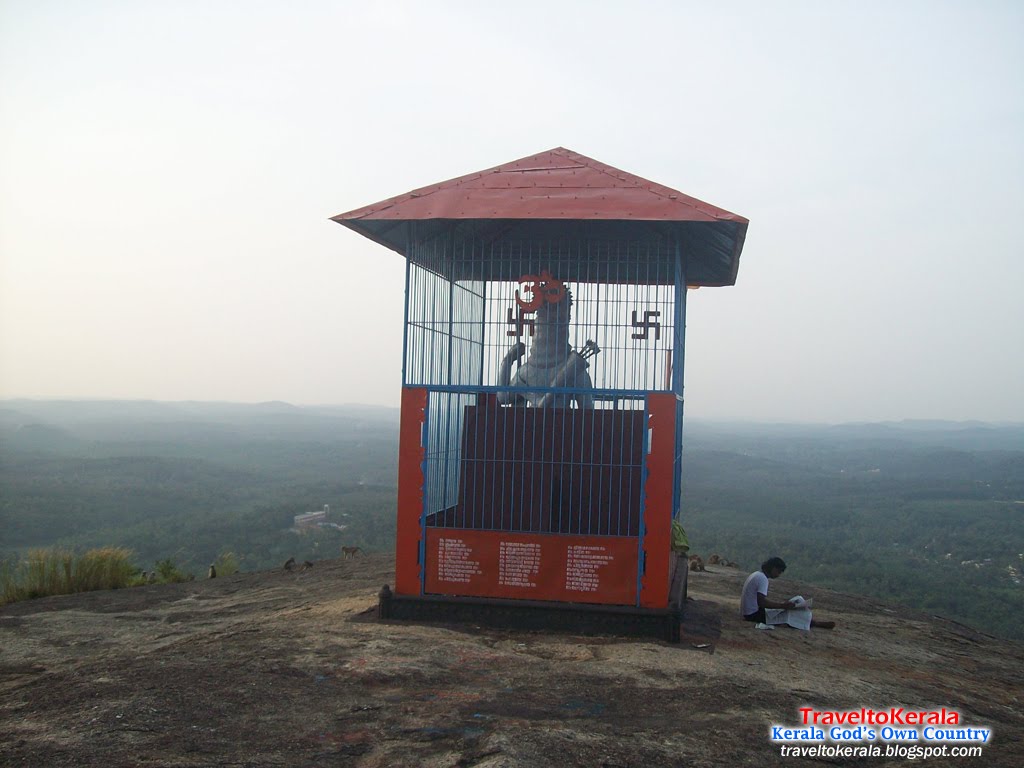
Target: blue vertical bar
[[447, 258], [405, 319], [483, 332], [678, 360], [679, 325]]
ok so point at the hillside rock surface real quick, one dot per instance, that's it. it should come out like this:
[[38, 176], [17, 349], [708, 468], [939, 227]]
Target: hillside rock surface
[[293, 669]]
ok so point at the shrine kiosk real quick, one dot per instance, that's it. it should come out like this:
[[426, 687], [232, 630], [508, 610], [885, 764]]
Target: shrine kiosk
[[542, 392]]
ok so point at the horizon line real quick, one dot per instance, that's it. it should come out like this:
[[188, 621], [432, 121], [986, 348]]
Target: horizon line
[[761, 421]]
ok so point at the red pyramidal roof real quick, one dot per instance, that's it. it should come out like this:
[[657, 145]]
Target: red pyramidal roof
[[560, 185], [557, 184]]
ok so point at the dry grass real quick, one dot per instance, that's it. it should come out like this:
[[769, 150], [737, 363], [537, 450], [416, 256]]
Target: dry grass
[[227, 564], [58, 571]]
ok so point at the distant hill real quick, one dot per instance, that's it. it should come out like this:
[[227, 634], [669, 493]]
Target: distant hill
[[148, 420], [28, 435], [964, 435]]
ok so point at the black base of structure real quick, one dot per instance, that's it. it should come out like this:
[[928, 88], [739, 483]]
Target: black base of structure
[[579, 618]]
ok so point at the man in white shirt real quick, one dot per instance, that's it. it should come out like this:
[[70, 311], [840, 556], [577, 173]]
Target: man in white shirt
[[754, 598]]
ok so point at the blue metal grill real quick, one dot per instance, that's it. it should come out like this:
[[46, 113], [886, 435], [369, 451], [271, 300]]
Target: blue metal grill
[[550, 438]]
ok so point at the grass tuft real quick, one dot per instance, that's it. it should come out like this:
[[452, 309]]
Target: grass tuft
[[226, 563], [169, 573], [58, 571]]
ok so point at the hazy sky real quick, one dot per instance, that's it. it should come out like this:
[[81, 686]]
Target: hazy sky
[[167, 170]]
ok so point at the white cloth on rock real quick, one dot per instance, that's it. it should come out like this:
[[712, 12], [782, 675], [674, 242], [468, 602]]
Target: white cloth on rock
[[798, 618]]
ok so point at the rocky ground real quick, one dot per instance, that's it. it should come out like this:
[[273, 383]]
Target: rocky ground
[[292, 669]]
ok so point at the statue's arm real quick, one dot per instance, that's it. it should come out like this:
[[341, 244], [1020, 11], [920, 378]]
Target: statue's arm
[[573, 373], [514, 355]]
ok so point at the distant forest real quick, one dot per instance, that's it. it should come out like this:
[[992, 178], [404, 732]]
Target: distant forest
[[925, 514]]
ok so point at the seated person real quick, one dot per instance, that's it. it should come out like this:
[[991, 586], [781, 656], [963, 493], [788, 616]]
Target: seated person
[[755, 605]]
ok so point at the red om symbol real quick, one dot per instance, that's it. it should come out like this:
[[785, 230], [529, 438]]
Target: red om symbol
[[543, 289]]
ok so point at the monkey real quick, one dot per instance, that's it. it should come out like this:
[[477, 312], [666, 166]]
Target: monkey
[[289, 564], [213, 571], [715, 560], [696, 563], [350, 551], [152, 577], [306, 565]]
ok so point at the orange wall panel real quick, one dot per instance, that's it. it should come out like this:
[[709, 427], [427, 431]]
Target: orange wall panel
[[410, 491], [654, 585]]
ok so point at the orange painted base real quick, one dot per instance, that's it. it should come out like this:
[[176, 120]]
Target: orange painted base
[[599, 570]]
